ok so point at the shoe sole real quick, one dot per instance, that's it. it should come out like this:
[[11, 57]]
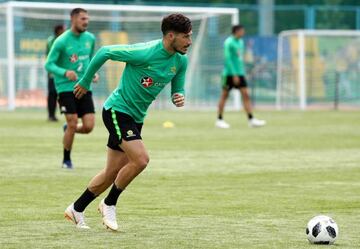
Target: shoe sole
[[107, 227]]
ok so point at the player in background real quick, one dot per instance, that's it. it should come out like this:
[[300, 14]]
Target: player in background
[[234, 77], [68, 59], [52, 95], [149, 68]]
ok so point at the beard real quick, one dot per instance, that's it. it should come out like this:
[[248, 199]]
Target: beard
[[81, 30], [180, 52], [177, 49]]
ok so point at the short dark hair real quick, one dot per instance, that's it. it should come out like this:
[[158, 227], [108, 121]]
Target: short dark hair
[[177, 23], [236, 28], [58, 28], [76, 11]]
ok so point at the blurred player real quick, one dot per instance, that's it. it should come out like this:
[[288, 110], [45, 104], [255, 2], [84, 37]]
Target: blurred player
[[52, 95], [234, 77], [149, 68], [67, 61]]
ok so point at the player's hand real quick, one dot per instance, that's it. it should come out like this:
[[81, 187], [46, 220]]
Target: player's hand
[[178, 99], [71, 75], [236, 80], [79, 91], [96, 78]]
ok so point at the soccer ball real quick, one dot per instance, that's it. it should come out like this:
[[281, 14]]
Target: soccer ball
[[322, 230]]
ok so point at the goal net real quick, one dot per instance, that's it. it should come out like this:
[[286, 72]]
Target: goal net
[[318, 68], [25, 27]]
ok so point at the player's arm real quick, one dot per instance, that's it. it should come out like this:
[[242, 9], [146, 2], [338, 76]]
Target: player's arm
[[229, 62], [52, 59], [124, 53], [96, 76], [178, 84], [92, 48]]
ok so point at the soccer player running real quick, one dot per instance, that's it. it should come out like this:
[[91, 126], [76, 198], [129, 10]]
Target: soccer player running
[[149, 68], [68, 59], [52, 95], [234, 77]]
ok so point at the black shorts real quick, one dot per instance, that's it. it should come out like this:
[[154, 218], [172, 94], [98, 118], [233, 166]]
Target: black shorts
[[228, 82], [120, 126], [71, 105]]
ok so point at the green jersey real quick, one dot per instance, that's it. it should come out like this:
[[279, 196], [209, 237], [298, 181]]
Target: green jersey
[[149, 68], [69, 52], [234, 56]]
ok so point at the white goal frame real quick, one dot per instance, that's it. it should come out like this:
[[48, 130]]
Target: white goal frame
[[301, 34], [9, 6]]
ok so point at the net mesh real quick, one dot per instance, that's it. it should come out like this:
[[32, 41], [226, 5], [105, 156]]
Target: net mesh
[[331, 69], [33, 26]]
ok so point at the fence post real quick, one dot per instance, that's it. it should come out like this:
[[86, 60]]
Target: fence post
[[357, 18], [10, 56], [302, 70], [310, 17], [336, 93]]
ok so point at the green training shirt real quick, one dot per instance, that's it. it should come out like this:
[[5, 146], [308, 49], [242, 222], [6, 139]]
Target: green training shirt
[[234, 56], [149, 68], [69, 52]]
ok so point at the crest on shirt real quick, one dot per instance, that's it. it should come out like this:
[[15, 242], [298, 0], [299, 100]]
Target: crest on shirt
[[74, 58], [146, 81], [87, 45], [173, 69]]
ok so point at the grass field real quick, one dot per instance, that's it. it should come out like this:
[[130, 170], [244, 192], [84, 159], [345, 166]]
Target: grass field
[[204, 187]]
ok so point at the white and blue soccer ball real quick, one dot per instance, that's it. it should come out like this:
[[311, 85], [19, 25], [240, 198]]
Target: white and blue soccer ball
[[322, 230]]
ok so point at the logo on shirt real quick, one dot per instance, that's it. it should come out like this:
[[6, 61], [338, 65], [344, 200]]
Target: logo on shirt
[[74, 58], [146, 82], [173, 69]]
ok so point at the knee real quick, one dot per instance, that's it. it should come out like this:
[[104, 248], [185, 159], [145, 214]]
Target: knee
[[88, 128], [245, 96], [71, 125], [141, 162], [222, 100]]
